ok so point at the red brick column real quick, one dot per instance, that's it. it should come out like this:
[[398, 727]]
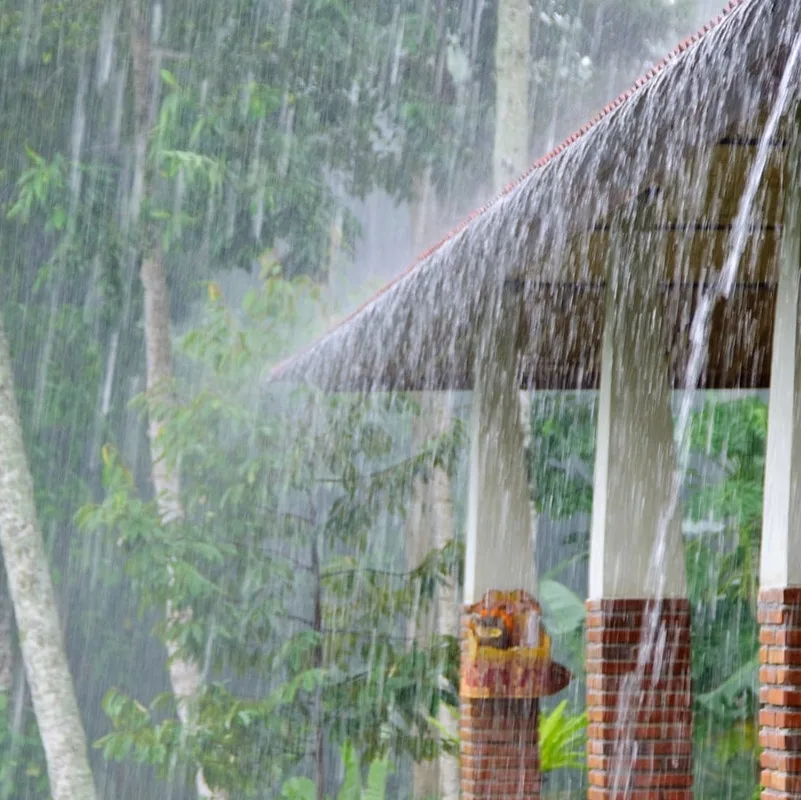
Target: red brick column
[[506, 668], [639, 739], [780, 692], [500, 756]]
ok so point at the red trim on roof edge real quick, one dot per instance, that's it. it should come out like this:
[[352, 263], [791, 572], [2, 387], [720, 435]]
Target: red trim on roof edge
[[541, 162]]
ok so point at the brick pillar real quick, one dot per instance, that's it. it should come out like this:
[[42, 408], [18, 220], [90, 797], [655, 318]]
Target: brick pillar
[[654, 761], [500, 756], [780, 692], [505, 669]]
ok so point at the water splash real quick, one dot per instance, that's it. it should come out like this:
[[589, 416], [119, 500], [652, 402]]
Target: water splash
[[653, 643]]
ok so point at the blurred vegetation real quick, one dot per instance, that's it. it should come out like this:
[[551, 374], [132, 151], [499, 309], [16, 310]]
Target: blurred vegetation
[[723, 516]]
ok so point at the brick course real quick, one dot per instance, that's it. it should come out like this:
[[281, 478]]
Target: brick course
[[780, 692], [658, 762], [499, 742], [499, 749]]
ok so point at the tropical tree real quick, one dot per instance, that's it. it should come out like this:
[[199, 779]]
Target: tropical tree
[[276, 558], [31, 590]]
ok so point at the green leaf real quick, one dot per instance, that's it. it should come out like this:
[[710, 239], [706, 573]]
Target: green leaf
[[377, 780], [564, 611], [299, 789], [562, 739], [352, 784], [59, 218], [729, 696], [168, 78]]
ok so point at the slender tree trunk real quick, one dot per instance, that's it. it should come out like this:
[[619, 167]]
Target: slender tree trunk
[[319, 732], [6, 637], [32, 594], [186, 677], [448, 606], [142, 67], [421, 212], [513, 131], [430, 520], [158, 349], [430, 525], [420, 542], [512, 119]]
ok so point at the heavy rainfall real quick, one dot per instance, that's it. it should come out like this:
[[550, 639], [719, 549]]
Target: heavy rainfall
[[400, 399]]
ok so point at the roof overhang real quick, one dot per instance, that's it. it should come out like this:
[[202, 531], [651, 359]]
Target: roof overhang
[[666, 164]]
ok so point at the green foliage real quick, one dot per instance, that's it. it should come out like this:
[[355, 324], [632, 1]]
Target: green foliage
[[733, 436], [23, 771], [42, 187], [562, 739], [141, 741], [352, 787], [723, 576], [564, 611], [277, 558], [564, 443], [723, 566], [256, 115], [736, 697]]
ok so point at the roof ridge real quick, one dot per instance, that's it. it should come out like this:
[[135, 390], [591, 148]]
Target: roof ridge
[[684, 45]]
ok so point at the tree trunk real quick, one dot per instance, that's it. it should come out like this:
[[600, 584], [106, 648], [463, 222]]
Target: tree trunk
[[448, 610], [512, 132], [186, 676], [512, 120], [6, 639], [319, 721], [430, 525], [32, 594], [421, 217], [420, 542], [430, 520]]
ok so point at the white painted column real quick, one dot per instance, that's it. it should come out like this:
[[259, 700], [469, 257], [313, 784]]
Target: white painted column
[[779, 611], [500, 547], [781, 518], [638, 621], [635, 454]]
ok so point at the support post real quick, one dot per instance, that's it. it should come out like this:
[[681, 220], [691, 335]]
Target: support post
[[498, 733], [500, 547], [638, 701], [780, 567]]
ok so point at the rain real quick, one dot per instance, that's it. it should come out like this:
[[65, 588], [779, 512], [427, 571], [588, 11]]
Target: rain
[[400, 399]]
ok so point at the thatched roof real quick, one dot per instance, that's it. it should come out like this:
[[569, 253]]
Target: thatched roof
[[665, 166]]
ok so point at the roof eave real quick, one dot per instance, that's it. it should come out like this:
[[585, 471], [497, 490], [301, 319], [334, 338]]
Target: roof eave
[[421, 329]]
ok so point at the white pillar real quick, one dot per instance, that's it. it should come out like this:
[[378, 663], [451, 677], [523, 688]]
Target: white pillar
[[780, 568], [781, 519], [500, 547], [635, 454]]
